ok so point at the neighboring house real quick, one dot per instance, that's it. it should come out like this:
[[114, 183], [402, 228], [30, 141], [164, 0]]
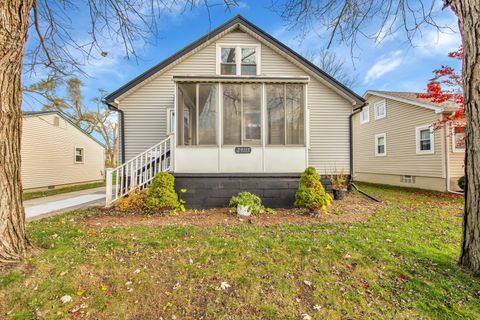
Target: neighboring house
[[56, 152], [235, 110], [395, 144]]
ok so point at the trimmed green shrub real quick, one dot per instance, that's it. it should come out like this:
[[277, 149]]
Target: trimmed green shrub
[[461, 183], [253, 202], [161, 194], [311, 194]]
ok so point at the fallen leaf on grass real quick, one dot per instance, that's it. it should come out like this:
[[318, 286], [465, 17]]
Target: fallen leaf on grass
[[224, 285], [306, 317], [308, 283], [66, 299]]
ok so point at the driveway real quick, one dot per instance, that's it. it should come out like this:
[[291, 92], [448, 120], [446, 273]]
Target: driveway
[[47, 206]]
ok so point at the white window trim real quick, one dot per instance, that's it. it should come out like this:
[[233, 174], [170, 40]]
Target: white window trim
[[367, 110], [432, 139], [170, 115], [380, 135], [454, 145], [75, 155], [238, 57], [376, 106]]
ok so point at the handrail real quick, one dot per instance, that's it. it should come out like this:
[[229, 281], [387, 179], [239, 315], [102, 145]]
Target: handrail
[[139, 171]]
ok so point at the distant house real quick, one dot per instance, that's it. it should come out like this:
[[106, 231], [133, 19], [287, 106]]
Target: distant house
[[394, 142], [56, 152], [236, 110]]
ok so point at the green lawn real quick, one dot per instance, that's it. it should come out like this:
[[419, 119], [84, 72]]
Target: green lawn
[[399, 264], [46, 193]]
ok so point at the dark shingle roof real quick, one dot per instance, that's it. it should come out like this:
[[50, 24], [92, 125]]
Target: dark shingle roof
[[449, 106], [250, 26]]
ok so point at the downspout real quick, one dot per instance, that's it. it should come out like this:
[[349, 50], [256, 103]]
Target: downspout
[[122, 130], [350, 123], [350, 127]]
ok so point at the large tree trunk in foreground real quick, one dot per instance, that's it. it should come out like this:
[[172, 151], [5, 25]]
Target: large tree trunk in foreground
[[13, 36], [468, 12]]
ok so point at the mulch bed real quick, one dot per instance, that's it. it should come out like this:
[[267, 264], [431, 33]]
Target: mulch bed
[[354, 208]]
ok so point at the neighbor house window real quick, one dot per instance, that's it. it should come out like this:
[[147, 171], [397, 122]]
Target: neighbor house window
[[285, 114], [242, 115], [381, 145], [56, 121], [197, 114], [380, 109], [79, 155], [458, 139], [238, 60], [425, 140], [365, 115]]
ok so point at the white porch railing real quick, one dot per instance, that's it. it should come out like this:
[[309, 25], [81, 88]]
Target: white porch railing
[[139, 171]]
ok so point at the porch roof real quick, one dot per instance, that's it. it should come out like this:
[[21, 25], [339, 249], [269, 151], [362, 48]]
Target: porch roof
[[247, 79]]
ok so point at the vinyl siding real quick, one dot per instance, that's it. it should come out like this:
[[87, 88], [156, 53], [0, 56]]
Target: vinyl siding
[[48, 153], [456, 159], [145, 107], [399, 126]]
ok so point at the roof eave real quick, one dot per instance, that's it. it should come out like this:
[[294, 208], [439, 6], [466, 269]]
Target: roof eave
[[349, 94]]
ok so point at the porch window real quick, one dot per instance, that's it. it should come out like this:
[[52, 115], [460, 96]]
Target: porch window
[[242, 105], [285, 114], [197, 114]]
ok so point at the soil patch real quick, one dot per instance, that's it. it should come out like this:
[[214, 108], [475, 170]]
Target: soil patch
[[354, 208]]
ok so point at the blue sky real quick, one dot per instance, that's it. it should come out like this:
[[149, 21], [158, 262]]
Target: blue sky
[[392, 64]]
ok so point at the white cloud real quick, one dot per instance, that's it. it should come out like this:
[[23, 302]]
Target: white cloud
[[433, 41], [384, 65]]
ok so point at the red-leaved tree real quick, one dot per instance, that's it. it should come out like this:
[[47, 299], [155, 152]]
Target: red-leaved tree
[[447, 86]]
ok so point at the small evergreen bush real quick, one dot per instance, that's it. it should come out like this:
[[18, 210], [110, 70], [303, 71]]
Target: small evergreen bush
[[253, 202], [311, 194], [161, 194]]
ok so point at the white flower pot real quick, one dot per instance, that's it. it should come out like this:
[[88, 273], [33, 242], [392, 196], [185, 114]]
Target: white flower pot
[[243, 211]]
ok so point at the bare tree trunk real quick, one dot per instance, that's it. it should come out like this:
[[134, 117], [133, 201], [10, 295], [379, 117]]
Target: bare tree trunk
[[13, 36], [468, 12]]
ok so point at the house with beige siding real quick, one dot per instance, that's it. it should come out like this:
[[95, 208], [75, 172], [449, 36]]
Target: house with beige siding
[[55, 152], [236, 110], [395, 143]]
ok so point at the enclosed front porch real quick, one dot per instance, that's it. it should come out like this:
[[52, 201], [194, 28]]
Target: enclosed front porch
[[240, 125]]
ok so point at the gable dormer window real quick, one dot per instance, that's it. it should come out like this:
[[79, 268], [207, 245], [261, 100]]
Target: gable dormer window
[[249, 61], [228, 63], [238, 60]]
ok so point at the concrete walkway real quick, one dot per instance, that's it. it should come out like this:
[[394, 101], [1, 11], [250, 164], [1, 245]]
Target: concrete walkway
[[47, 206]]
